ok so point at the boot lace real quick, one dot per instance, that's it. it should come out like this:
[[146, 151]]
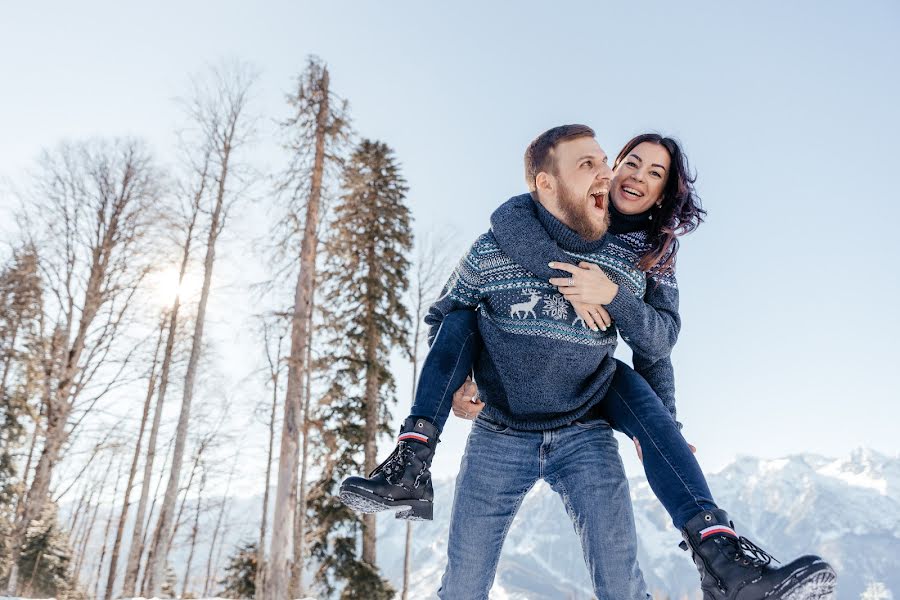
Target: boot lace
[[394, 465], [749, 553]]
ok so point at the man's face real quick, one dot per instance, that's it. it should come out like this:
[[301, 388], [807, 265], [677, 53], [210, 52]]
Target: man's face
[[581, 185]]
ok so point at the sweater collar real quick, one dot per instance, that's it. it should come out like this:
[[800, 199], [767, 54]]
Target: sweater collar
[[622, 223], [567, 238]]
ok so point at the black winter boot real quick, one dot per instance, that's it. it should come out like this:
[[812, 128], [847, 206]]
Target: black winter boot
[[403, 480], [734, 568]]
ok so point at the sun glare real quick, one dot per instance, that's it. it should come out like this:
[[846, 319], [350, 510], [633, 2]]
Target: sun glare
[[164, 288]]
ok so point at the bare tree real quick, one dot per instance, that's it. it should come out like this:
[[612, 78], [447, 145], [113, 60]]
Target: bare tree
[[196, 194], [109, 521], [218, 109], [300, 524], [194, 530], [126, 503], [217, 529], [316, 132], [146, 529], [91, 208], [274, 372], [89, 530]]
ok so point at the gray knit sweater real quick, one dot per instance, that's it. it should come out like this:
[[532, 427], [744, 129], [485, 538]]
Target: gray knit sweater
[[649, 324], [541, 367]]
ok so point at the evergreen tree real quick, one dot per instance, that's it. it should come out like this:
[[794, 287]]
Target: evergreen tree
[[21, 304], [364, 281], [45, 560], [316, 133], [240, 573]]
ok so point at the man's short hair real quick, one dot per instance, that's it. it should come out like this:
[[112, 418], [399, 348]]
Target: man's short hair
[[539, 154]]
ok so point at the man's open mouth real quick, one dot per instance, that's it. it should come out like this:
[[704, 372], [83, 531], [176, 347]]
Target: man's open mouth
[[600, 199]]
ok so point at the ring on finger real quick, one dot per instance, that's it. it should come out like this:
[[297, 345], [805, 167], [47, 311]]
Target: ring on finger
[[571, 281]]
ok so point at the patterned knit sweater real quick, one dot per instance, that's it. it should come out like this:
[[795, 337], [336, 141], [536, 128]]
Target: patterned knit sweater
[[648, 324], [541, 366]]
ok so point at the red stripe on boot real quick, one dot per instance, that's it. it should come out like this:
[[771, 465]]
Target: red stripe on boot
[[716, 529], [413, 436]]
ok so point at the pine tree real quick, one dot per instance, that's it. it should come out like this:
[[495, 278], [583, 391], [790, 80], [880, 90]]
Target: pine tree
[[46, 559], [21, 304], [240, 573], [365, 279]]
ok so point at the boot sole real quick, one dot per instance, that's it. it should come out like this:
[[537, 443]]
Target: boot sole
[[366, 502], [814, 582]]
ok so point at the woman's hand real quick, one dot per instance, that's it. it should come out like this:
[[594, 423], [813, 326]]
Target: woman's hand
[[588, 283], [466, 404], [594, 316]]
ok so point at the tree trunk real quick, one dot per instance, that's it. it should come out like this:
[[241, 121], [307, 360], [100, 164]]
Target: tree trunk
[[261, 547], [109, 521], [157, 559], [89, 531], [300, 528], [147, 528], [135, 550], [209, 563], [60, 402], [215, 569], [126, 502], [187, 490], [371, 402], [286, 491], [194, 530], [210, 571], [415, 378]]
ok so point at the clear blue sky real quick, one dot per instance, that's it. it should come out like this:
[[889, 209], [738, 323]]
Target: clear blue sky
[[786, 109]]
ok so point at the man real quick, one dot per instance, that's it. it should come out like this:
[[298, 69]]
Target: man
[[540, 374]]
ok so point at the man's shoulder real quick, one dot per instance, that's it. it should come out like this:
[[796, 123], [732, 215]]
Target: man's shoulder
[[485, 244]]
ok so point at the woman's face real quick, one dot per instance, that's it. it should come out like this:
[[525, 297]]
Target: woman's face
[[640, 178]]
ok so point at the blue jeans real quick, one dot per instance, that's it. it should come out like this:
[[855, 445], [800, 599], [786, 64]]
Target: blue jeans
[[449, 361], [632, 407], [581, 463]]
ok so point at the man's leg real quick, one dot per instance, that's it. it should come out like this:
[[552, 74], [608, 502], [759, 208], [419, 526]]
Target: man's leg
[[498, 468], [631, 406], [582, 464]]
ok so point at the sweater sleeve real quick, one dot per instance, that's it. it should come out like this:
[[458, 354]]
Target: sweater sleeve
[[661, 377], [521, 236], [461, 292], [649, 325]]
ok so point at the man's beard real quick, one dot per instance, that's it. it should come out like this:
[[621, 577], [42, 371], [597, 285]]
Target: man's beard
[[578, 217]]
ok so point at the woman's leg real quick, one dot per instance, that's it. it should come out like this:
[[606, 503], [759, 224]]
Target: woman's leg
[[446, 367], [403, 481], [726, 562], [632, 407]]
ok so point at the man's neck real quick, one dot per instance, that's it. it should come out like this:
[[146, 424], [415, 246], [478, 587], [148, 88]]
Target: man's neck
[[552, 206], [566, 237]]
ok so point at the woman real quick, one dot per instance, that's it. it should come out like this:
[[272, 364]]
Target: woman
[[652, 203]]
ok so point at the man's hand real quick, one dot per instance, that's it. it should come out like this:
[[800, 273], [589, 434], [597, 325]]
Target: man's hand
[[466, 404], [588, 283]]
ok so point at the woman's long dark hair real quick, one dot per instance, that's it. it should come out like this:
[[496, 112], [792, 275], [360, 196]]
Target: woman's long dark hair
[[680, 213]]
